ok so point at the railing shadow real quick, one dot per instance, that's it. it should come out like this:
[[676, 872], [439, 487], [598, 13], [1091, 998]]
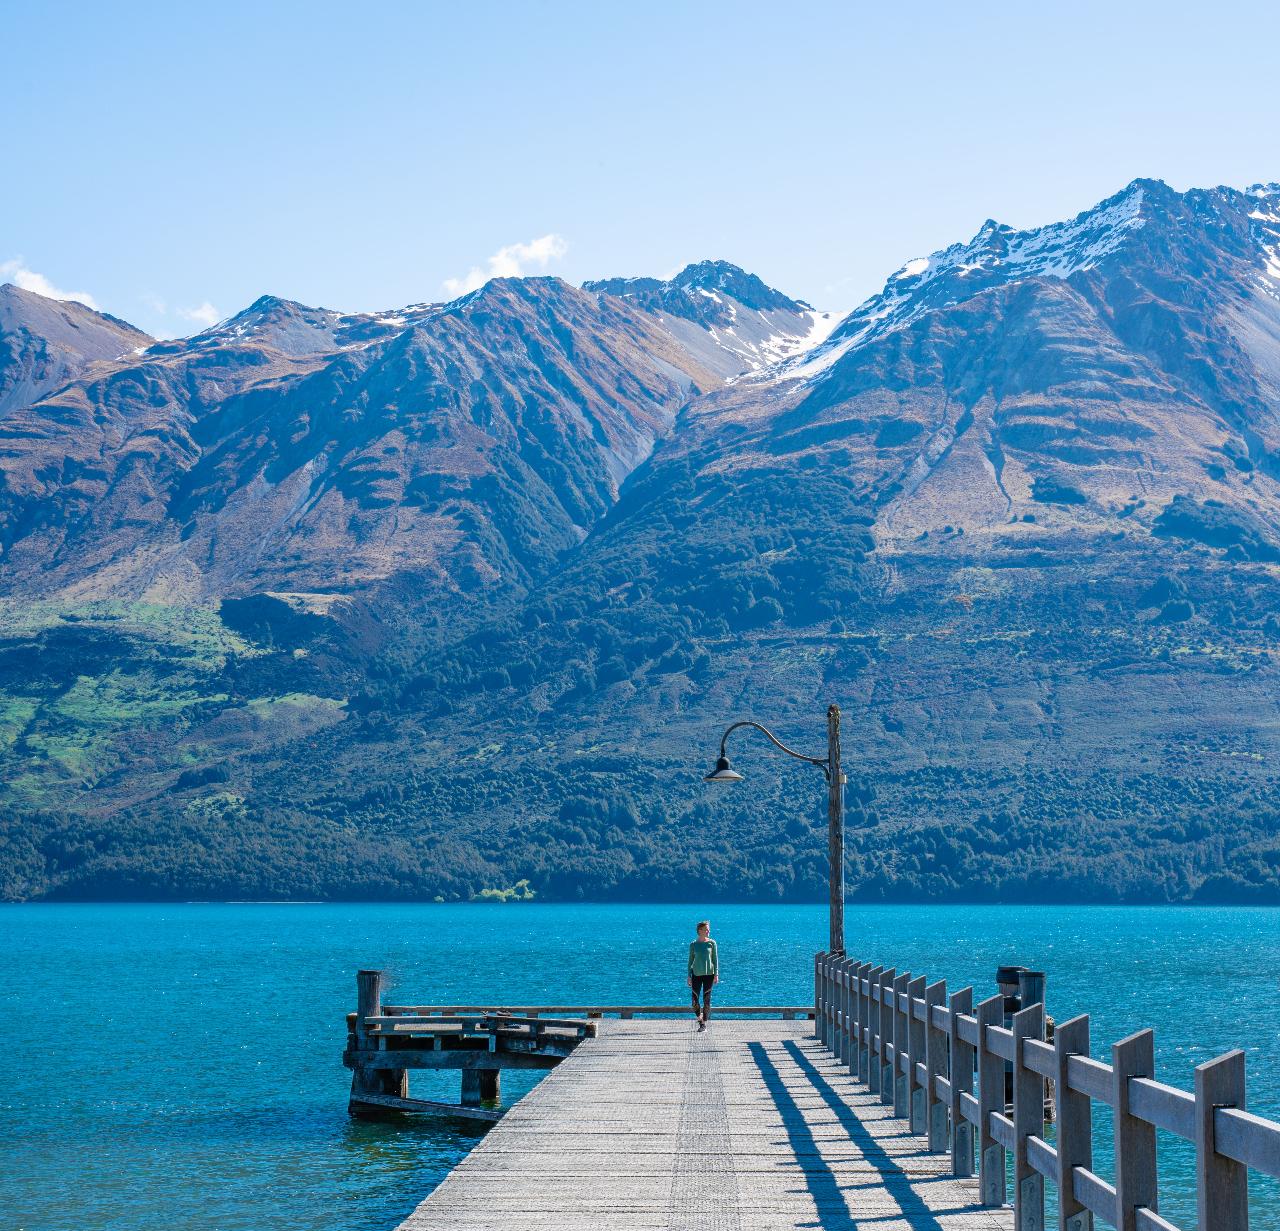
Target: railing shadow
[[824, 1186]]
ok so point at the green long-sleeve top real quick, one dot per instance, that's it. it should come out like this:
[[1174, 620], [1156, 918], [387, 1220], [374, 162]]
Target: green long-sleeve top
[[703, 959]]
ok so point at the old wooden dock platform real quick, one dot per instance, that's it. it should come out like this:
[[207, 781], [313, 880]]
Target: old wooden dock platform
[[752, 1125], [897, 1106]]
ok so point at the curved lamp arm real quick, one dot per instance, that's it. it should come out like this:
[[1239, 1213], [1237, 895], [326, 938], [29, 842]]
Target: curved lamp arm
[[820, 762]]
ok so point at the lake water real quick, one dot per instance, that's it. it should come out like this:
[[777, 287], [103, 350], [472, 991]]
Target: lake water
[[180, 1066]]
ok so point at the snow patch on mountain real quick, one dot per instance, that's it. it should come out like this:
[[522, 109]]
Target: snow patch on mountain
[[1266, 230], [996, 255]]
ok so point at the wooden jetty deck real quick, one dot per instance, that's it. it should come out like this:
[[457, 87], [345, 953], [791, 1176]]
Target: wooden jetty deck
[[898, 1106], [752, 1125]]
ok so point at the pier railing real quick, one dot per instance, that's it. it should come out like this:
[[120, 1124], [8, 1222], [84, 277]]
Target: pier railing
[[941, 1062]]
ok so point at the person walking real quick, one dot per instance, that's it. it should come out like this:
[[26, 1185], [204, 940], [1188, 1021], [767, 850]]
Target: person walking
[[704, 972]]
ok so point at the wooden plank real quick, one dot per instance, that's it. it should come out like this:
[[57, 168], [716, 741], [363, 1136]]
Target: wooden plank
[[453, 1058], [1248, 1139], [1164, 1106], [453, 1111], [753, 1126]]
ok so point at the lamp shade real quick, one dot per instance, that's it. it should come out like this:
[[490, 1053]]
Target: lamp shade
[[722, 772]]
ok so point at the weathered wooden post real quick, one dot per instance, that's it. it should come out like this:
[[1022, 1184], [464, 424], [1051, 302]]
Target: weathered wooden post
[[897, 1089], [1222, 1184], [935, 1111], [480, 1086], [865, 975], [820, 997], [915, 1055], [1075, 1124], [1028, 1121], [847, 966], [991, 1181], [366, 1080], [817, 994], [833, 1002], [855, 996], [1135, 1149], [368, 1000], [873, 1028], [888, 1033], [961, 1076]]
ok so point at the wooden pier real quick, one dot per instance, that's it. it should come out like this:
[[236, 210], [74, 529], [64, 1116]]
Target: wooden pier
[[891, 1109], [750, 1126]]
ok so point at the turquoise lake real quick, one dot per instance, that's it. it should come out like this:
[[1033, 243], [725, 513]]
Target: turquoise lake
[[180, 1066]]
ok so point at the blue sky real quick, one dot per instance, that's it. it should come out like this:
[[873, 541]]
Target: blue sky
[[174, 161]]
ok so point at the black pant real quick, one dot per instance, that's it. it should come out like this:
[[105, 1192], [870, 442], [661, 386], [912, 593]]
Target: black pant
[[703, 984]]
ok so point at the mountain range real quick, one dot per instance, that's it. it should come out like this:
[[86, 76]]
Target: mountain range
[[430, 602]]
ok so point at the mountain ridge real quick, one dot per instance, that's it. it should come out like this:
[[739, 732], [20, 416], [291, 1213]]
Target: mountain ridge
[[1019, 515]]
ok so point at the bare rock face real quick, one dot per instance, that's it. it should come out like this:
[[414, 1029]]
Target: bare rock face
[[730, 318], [466, 445], [44, 343], [1077, 377]]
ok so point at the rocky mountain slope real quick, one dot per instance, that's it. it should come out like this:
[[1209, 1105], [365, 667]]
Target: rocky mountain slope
[[44, 343], [1018, 514], [464, 446]]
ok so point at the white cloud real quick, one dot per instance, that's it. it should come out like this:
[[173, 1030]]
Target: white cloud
[[510, 262], [206, 314], [28, 280]]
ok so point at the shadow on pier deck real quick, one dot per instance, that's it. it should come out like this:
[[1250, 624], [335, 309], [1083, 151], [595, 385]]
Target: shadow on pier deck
[[752, 1125]]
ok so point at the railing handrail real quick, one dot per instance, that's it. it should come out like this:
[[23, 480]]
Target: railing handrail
[[868, 1016]]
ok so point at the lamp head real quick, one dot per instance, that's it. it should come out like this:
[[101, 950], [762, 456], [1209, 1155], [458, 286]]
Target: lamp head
[[722, 772]]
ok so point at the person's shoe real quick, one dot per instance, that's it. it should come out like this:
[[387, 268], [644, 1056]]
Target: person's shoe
[[701, 1025]]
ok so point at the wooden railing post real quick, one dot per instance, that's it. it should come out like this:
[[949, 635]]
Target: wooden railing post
[[846, 1005], [1135, 1148], [884, 1034], [855, 1016], [854, 998], [934, 1113], [915, 1055], [1222, 1184], [991, 1181], [817, 994], [866, 973], [897, 1090], [820, 998], [961, 1075], [833, 1004], [1075, 1124], [1028, 1121]]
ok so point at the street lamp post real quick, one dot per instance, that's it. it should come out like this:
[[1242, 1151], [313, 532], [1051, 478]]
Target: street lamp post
[[830, 766]]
